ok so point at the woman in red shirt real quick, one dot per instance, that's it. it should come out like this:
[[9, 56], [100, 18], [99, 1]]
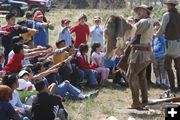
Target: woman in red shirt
[[81, 31]]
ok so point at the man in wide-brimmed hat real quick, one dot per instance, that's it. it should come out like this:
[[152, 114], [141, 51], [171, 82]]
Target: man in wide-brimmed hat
[[140, 56], [171, 29]]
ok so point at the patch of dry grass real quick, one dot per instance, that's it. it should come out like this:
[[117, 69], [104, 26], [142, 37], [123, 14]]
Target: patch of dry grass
[[110, 102]]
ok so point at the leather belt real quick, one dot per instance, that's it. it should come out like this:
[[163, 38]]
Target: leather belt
[[141, 48]]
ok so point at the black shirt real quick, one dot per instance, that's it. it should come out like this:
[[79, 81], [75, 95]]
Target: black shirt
[[43, 106]]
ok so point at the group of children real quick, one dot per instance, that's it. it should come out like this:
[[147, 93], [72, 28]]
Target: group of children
[[28, 62]]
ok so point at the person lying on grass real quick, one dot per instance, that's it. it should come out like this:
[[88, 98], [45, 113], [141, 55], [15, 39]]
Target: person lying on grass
[[64, 89]]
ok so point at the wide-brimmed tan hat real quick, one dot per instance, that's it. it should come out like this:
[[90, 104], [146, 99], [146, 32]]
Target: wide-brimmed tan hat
[[145, 7], [171, 2]]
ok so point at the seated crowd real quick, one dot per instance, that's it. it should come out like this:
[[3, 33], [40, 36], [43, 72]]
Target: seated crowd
[[28, 63]]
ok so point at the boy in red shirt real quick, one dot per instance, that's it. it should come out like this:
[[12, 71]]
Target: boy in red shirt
[[81, 31], [14, 64]]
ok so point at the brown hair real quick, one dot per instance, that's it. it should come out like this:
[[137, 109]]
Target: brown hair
[[5, 93], [29, 15], [82, 16], [157, 23], [95, 45]]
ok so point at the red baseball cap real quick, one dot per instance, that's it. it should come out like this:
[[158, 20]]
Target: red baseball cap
[[38, 14], [65, 21]]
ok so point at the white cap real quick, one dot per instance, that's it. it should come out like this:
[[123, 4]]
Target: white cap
[[22, 72]]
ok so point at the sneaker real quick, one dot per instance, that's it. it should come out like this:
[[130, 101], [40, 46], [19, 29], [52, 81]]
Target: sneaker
[[92, 95]]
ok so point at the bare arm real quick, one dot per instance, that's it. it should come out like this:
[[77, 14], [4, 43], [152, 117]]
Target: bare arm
[[44, 74], [97, 61], [61, 63], [43, 25], [34, 54], [37, 49]]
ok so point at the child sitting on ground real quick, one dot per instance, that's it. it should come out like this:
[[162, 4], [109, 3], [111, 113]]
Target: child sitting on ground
[[83, 64], [7, 111], [61, 54], [44, 104], [14, 64], [12, 82], [117, 74], [77, 75], [24, 83], [97, 60]]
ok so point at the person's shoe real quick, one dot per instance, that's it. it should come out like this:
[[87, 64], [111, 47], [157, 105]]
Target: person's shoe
[[158, 84], [117, 85], [92, 95], [136, 106]]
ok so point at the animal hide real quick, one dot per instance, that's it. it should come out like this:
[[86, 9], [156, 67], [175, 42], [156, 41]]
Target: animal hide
[[117, 32]]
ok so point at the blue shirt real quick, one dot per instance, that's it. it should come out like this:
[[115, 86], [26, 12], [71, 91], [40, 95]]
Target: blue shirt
[[29, 23], [97, 35], [65, 34], [41, 37], [109, 63], [158, 46], [7, 112]]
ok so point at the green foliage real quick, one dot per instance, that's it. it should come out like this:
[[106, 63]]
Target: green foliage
[[24, 94]]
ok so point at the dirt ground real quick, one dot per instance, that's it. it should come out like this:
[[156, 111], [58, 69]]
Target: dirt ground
[[113, 101]]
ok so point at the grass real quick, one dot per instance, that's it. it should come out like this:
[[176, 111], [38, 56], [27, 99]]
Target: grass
[[110, 101]]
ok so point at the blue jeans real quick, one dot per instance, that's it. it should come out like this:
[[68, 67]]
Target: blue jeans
[[64, 72], [77, 77], [90, 75], [64, 89]]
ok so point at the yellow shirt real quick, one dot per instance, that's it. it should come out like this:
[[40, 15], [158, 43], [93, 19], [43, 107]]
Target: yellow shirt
[[59, 57], [28, 35]]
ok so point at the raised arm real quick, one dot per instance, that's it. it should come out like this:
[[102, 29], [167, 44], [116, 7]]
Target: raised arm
[[34, 54]]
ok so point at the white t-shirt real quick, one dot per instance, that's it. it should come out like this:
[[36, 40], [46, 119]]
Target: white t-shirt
[[24, 85], [98, 56]]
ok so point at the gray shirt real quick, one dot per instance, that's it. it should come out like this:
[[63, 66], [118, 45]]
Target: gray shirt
[[165, 21]]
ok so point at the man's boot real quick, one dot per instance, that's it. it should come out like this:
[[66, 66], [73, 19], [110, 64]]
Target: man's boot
[[171, 80], [178, 79]]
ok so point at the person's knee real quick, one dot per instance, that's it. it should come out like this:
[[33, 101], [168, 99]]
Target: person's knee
[[108, 70], [81, 73]]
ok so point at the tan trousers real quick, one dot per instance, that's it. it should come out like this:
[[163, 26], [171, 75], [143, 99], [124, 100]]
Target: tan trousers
[[136, 76]]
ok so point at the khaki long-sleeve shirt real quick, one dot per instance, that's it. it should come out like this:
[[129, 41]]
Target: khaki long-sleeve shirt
[[165, 21]]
